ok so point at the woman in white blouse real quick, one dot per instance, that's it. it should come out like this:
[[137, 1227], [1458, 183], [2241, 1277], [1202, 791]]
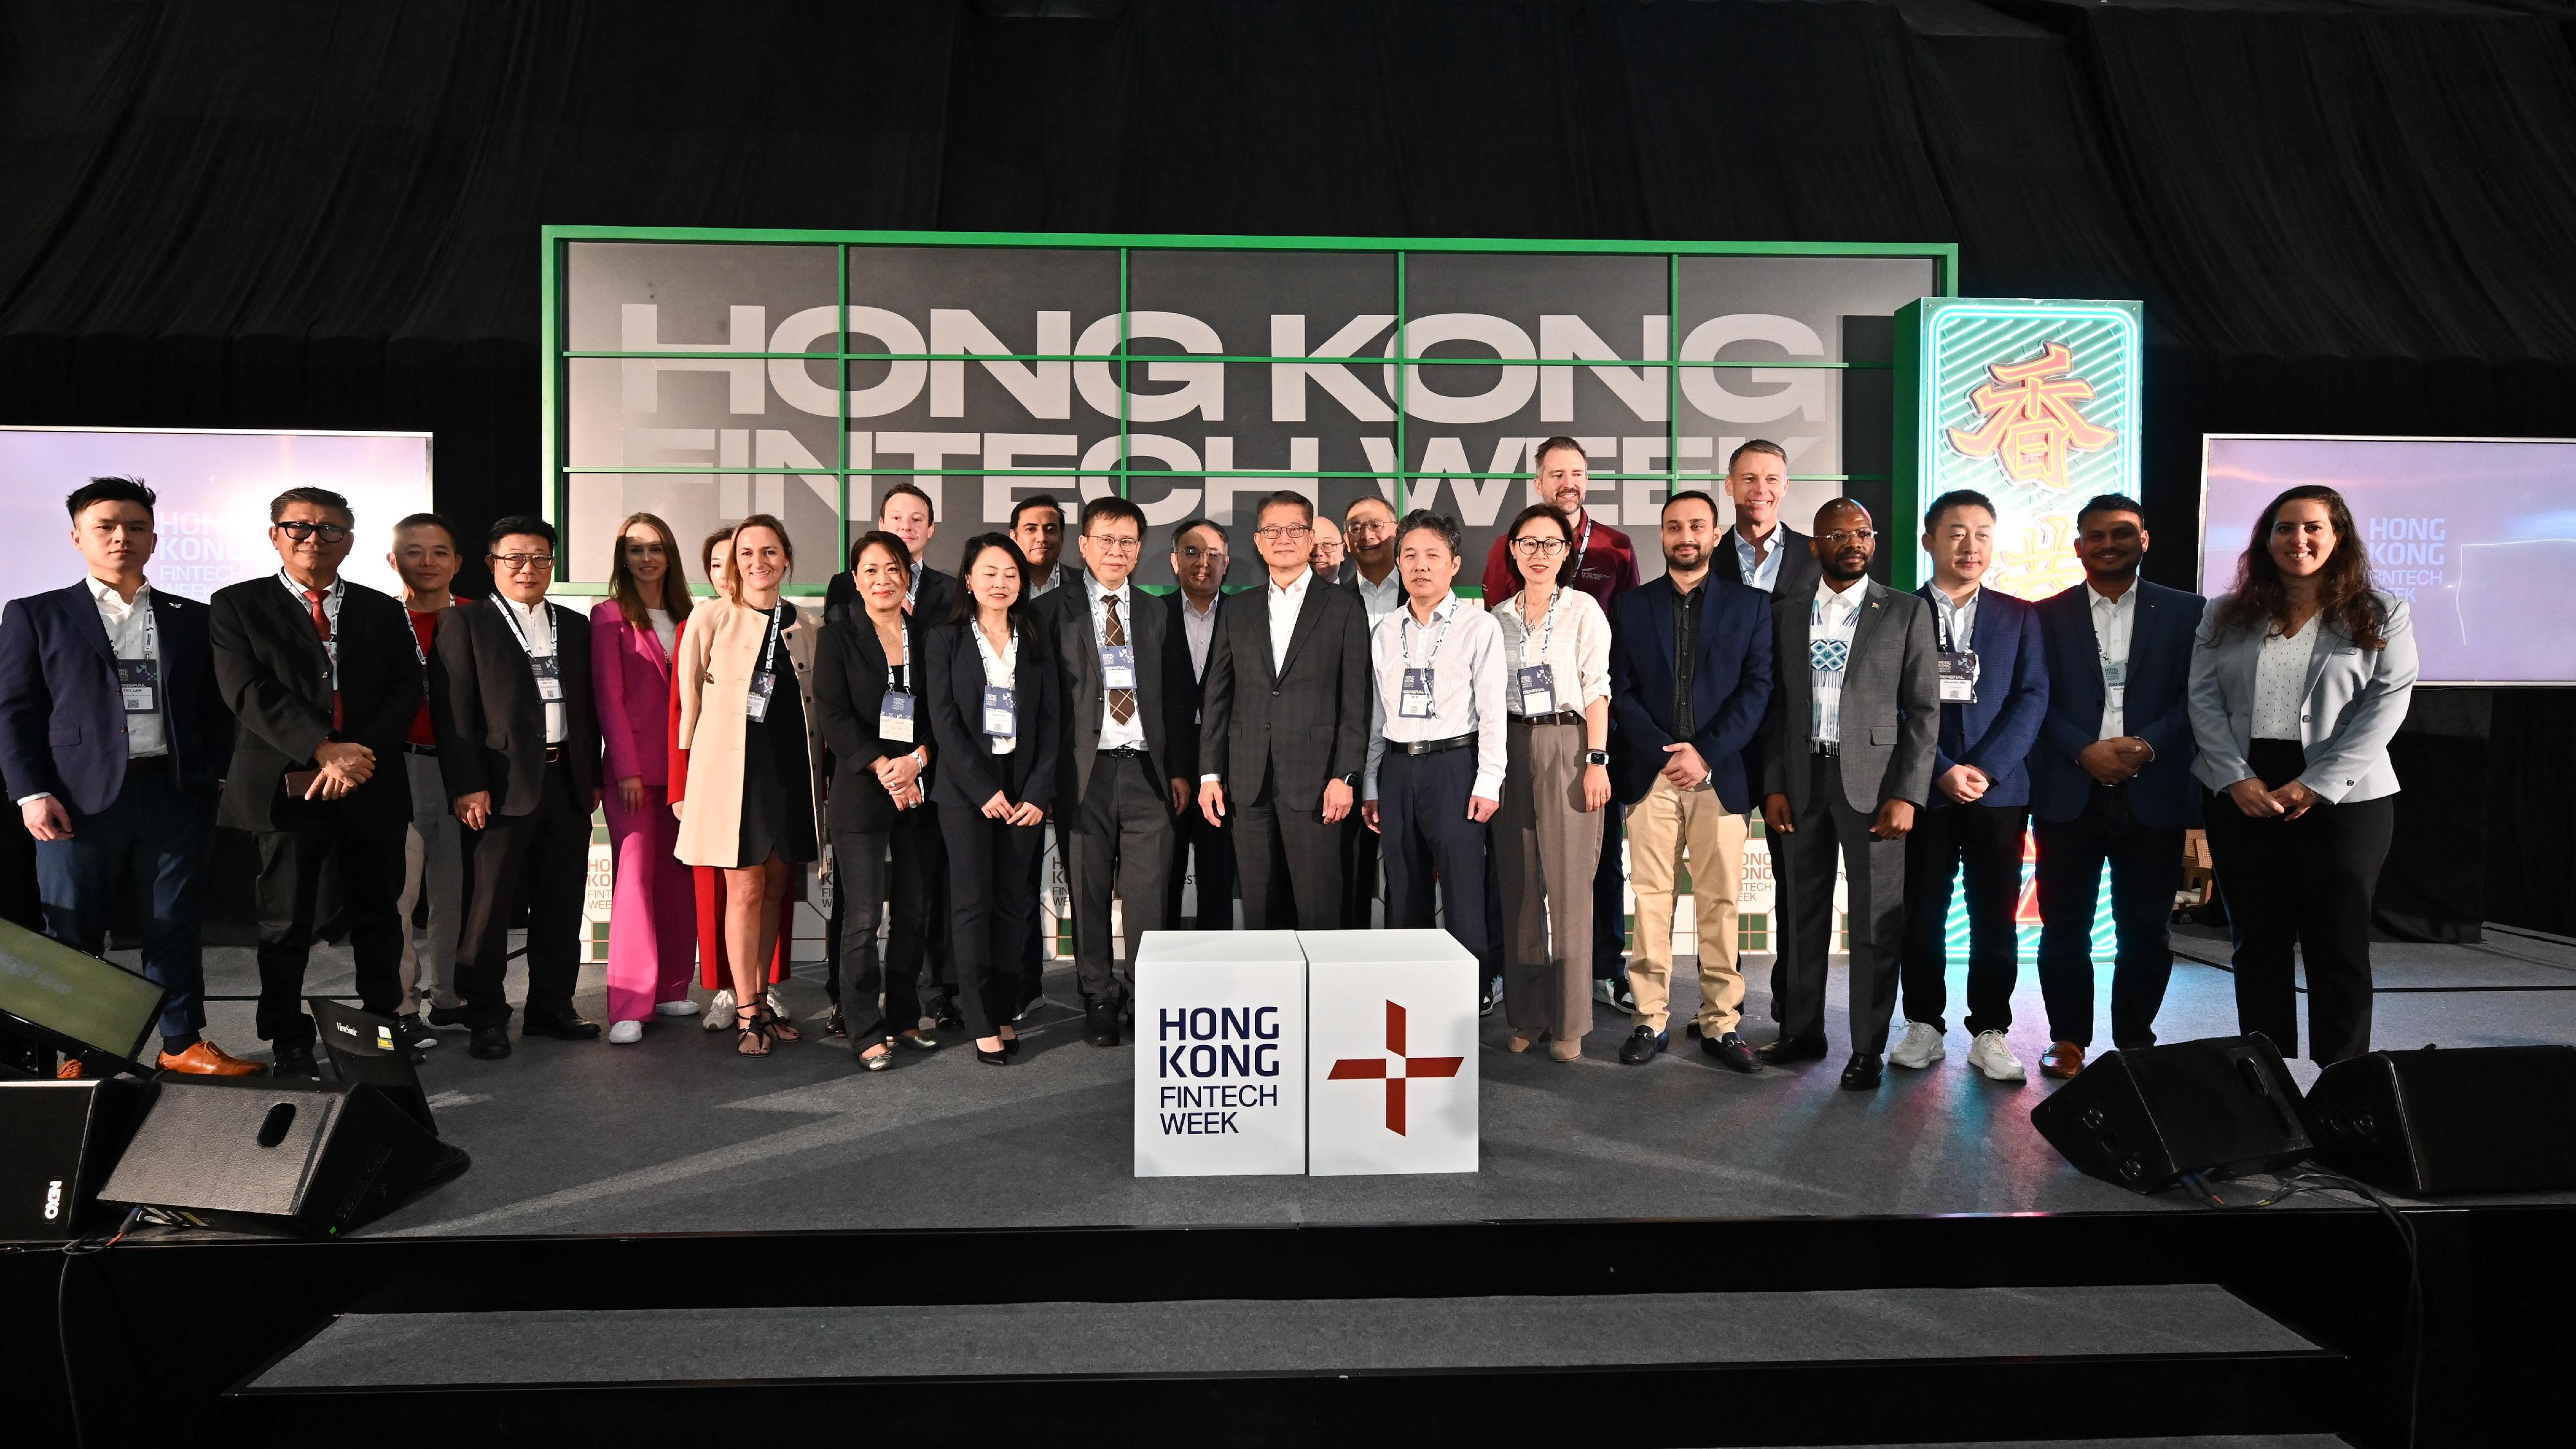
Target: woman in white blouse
[[1556, 781], [2299, 678]]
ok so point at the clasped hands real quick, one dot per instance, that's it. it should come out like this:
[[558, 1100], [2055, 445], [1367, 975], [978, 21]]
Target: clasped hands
[[2286, 803], [901, 777], [344, 766]]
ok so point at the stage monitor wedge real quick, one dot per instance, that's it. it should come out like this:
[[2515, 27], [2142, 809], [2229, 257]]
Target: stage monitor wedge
[[2146, 1117], [58, 1142], [2435, 1122], [75, 996], [286, 1158]]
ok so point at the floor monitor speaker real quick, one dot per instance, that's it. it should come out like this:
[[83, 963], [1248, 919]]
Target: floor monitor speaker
[[58, 1142], [303, 1159], [2450, 1120], [2145, 1117]]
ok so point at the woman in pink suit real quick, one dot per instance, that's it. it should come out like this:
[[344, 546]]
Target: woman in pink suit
[[635, 633]]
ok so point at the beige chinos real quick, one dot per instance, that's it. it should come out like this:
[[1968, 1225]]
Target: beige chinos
[[1545, 846], [1665, 828]]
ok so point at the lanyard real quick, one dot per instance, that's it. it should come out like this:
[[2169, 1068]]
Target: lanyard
[[769, 650], [1547, 623], [1945, 611], [1404, 641], [330, 646], [905, 638], [151, 630], [509, 612], [1574, 562]]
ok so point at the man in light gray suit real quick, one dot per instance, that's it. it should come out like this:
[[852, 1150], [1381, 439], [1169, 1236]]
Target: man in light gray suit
[[1847, 759]]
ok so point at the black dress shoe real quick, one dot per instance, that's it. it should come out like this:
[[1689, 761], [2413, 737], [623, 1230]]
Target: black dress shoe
[[1100, 1023], [1732, 1052], [1862, 1074], [1790, 1049], [1642, 1045], [567, 1026], [448, 1018], [295, 1062], [489, 1043]]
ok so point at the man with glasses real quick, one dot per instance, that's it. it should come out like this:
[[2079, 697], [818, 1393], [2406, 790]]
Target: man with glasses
[[518, 743], [1037, 526], [1846, 761], [1127, 765], [1368, 532], [427, 559], [1331, 561], [1199, 560], [323, 683], [1283, 733]]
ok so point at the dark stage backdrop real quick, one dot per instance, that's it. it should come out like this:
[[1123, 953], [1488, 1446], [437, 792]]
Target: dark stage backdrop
[[2342, 217]]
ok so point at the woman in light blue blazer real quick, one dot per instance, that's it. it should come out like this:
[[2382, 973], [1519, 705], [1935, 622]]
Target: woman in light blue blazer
[[2299, 678]]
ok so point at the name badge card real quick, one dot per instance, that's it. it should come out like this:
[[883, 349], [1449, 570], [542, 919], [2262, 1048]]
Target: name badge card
[[894, 717], [755, 700], [1538, 689], [1001, 713], [1414, 702], [140, 679], [2115, 681], [549, 670], [1958, 673], [1118, 666]]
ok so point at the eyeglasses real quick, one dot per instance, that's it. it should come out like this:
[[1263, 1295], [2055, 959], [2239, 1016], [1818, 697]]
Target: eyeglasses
[[1543, 547], [520, 562], [301, 529], [1268, 532], [1850, 535], [1193, 551], [1107, 544], [1369, 528]]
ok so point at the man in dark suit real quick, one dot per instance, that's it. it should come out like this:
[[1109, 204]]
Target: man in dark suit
[[1283, 732], [1128, 763], [1766, 553], [1846, 762], [2110, 779], [323, 681], [518, 742], [1199, 558], [1690, 680], [1994, 688], [113, 742]]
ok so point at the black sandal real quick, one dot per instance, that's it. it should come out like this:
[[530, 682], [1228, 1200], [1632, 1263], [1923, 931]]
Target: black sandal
[[750, 1034], [775, 1027]]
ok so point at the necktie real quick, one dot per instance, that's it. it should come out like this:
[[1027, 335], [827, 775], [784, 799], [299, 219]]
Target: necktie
[[1122, 702], [322, 627]]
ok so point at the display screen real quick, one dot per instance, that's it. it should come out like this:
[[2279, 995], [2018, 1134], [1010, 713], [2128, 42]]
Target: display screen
[[214, 489], [2473, 532], [96, 1003]]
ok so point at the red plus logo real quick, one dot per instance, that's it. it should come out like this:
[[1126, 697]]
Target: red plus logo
[[1394, 1073]]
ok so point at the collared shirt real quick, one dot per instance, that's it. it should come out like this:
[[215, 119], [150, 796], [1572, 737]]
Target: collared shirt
[[1114, 735], [911, 591], [1467, 666], [536, 621], [1381, 598], [2281, 679], [1199, 628], [330, 610], [1762, 575], [1056, 577], [131, 635], [1954, 625], [1688, 605], [1284, 604], [1575, 647], [1831, 621], [2113, 619]]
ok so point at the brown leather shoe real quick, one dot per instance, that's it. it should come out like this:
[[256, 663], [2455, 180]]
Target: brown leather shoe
[[69, 1071], [2062, 1060], [205, 1059]]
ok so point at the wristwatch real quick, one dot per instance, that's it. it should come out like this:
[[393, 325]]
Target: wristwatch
[[1596, 757]]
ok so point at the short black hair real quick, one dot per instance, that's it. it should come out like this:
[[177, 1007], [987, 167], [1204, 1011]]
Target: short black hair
[[1690, 495], [1957, 498], [1110, 505], [897, 490], [519, 523], [1202, 521], [2110, 503], [319, 497], [109, 490], [431, 520], [879, 538], [1284, 498], [1040, 500], [1422, 519]]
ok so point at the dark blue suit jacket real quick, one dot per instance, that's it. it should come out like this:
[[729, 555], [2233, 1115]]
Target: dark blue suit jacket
[[1730, 685], [2156, 708], [62, 713], [1995, 731]]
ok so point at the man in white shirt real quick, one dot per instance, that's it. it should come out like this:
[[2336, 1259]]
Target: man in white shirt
[[518, 743], [1037, 526], [1368, 537], [1437, 741], [1203, 852], [1767, 553]]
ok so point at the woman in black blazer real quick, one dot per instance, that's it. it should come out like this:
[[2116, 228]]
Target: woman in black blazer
[[994, 722], [868, 687]]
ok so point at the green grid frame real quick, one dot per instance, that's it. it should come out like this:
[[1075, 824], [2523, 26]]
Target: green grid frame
[[556, 442]]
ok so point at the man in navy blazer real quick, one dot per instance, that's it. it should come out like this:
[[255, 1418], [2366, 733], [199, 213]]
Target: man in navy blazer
[[1690, 679], [1994, 690], [114, 741], [2111, 780]]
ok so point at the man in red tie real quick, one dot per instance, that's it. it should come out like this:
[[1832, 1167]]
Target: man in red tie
[[323, 680]]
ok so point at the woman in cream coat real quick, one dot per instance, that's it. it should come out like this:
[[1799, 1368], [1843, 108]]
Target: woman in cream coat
[[749, 794]]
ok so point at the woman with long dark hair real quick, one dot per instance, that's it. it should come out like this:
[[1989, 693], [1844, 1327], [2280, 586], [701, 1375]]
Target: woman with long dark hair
[[994, 722], [635, 633], [2300, 676]]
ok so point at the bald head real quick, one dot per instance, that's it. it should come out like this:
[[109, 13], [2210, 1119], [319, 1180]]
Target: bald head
[[1845, 541]]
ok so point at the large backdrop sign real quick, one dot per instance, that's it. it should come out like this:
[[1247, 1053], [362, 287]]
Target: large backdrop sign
[[704, 375]]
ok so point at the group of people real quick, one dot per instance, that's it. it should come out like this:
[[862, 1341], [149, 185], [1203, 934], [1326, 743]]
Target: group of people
[[1348, 729]]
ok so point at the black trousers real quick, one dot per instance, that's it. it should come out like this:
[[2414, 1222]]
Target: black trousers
[[1828, 829], [1290, 864], [543, 858], [885, 876], [990, 910], [1359, 871], [1979, 846], [2299, 890], [1208, 853], [1434, 852], [369, 854], [1120, 845], [2146, 870]]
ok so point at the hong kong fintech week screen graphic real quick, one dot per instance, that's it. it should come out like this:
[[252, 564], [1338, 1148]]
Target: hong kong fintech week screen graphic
[[2479, 535]]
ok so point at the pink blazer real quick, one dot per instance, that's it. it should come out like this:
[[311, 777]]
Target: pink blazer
[[632, 682]]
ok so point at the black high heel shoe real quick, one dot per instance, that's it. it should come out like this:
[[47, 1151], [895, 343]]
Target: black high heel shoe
[[1010, 1046], [1000, 1058]]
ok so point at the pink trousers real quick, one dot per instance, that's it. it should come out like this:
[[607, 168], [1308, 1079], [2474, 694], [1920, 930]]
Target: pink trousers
[[652, 920]]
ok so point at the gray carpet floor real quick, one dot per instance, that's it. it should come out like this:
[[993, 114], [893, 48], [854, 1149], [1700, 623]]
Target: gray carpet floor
[[1238, 1336], [677, 1134]]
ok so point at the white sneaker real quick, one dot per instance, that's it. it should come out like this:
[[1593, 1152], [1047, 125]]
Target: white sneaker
[[1990, 1054], [1921, 1047], [625, 1033], [720, 1010], [682, 1007]]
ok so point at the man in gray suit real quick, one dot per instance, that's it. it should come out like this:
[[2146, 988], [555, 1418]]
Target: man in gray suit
[[1846, 760], [1127, 763]]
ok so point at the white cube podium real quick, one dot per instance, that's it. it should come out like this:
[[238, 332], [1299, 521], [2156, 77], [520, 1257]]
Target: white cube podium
[[1391, 1066], [1220, 1054]]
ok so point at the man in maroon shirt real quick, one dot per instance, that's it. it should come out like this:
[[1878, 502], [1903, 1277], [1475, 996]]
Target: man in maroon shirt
[[1605, 566], [425, 555]]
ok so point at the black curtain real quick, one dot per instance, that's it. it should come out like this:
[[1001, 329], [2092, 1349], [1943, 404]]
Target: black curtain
[[2342, 216]]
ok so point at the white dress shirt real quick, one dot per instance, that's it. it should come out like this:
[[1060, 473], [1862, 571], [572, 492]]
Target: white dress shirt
[[1576, 649], [1056, 577], [665, 630], [1956, 624], [1199, 628], [1001, 671], [1832, 618], [330, 611], [1467, 666], [537, 635], [1381, 598], [1114, 735], [1284, 604], [1766, 573], [131, 634], [2113, 622], [2281, 680]]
